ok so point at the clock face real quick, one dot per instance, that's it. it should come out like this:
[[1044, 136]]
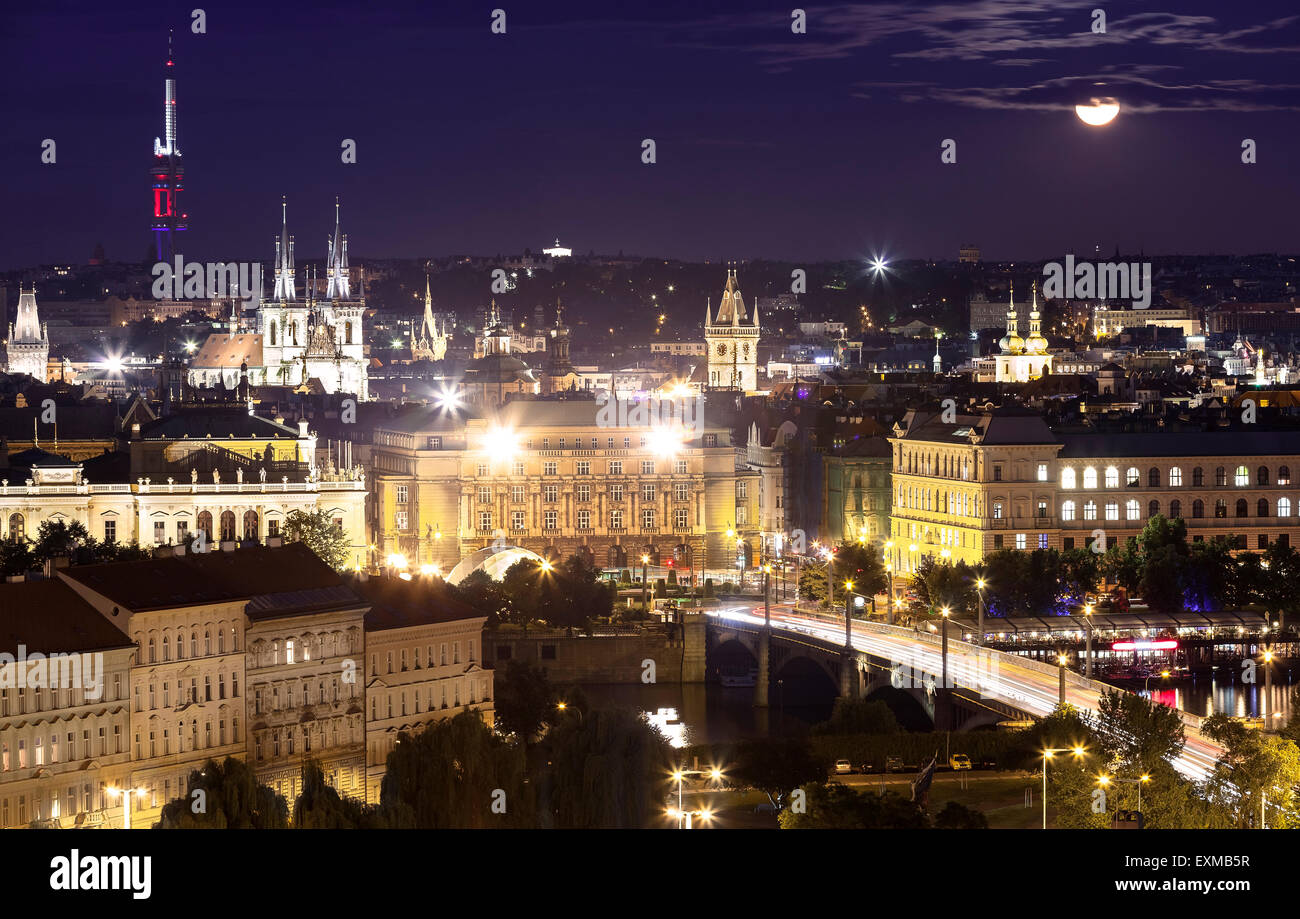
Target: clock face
[[722, 350]]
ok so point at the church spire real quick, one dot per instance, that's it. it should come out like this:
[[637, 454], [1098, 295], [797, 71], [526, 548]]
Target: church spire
[[284, 272], [336, 270]]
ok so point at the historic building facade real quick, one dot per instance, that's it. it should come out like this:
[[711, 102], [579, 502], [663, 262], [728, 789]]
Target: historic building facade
[[28, 347], [423, 665], [1022, 359], [975, 484], [557, 475], [731, 337]]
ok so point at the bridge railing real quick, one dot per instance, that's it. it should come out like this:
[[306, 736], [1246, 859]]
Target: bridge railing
[[1071, 678]]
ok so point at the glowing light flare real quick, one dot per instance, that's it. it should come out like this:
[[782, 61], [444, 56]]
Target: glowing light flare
[[501, 442], [1145, 644], [666, 440]]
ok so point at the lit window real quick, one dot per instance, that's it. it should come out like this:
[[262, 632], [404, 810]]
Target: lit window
[[1089, 477], [1131, 510], [1067, 510], [1042, 472], [1067, 478], [1241, 477], [1020, 540], [1112, 477], [1112, 510], [1175, 478]]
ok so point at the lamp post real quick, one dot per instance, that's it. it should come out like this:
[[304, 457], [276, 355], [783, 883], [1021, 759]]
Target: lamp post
[[1061, 661], [645, 573], [944, 645], [683, 816], [126, 802], [1048, 754], [979, 591], [1104, 780], [1087, 652], [1268, 696], [889, 570]]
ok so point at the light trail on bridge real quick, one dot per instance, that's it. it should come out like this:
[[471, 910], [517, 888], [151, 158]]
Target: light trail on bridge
[[1011, 680]]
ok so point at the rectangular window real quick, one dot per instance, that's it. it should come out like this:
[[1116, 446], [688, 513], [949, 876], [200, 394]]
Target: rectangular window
[[584, 520], [403, 493], [516, 520], [481, 471], [616, 520], [648, 517], [485, 494], [997, 473], [1042, 472], [485, 520], [584, 492], [647, 467], [679, 468], [1020, 540], [402, 519], [550, 468], [550, 493], [110, 531], [681, 493], [615, 467], [710, 440], [584, 467], [160, 531], [1042, 540], [550, 520], [680, 519], [516, 494], [616, 492], [647, 492]]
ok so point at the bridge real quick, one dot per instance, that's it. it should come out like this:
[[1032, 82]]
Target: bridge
[[988, 685]]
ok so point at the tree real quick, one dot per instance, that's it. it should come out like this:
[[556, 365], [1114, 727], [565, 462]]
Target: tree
[[58, 538], [320, 534], [482, 592], [859, 716], [605, 769], [955, 816], [861, 564], [833, 806], [16, 557], [1135, 734], [456, 774], [232, 799], [525, 700], [320, 807], [942, 584], [1256, 773], [776, 766], [1161, 585]]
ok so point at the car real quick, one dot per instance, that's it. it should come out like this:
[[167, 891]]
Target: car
[[843, 767], [959, 761], [893, 764]]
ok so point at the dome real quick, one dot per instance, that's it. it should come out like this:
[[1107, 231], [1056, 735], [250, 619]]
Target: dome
[[1035, 343], [1012, 343]]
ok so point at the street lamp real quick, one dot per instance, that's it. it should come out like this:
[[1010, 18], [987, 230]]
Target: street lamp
[[684, 816], [645, 573], [1048, 754], [1268, 688], [979, 591], [1061, 661], [126, 802], [946, 613], [1104, 780], [1087, 654]]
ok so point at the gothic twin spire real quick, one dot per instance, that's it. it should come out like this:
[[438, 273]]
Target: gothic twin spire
[[338, 281]]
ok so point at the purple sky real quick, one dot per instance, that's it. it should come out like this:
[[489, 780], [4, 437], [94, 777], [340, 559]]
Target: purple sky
[[770, 144]]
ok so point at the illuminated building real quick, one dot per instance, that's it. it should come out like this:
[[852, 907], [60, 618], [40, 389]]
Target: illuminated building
[[62, 745], [732, 340], [28, 348], [498, 375], [557, 475], [975, 484], [1022, 359], [423, 664], [430, 344], [167, 172], [298, 338]]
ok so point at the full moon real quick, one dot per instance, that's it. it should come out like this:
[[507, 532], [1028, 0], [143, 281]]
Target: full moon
[[1099, 112]]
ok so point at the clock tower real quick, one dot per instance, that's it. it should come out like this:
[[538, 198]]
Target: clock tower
[[731, 338]]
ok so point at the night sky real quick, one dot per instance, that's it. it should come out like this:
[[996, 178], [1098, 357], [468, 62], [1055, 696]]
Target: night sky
[[770, 144]]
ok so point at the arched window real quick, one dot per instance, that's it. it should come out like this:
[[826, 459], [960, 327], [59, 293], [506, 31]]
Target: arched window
[[1261, 475], [1112, 477], [1131, 509], [1089, 477], [1243, 509], [1198, 508], [272, 331], [1132, 478], [1153, 508], [17, 527], [1220, 477], [1241, 476], [1067, 478], [205, 523], [1090, 510], [1284, 507], [347, 336], [1176, 477], [1153, 477], [250, 524], [1067, 510], [1284, 475], [1261, 507], [1175, 509], [227, 525], [1198, 477]]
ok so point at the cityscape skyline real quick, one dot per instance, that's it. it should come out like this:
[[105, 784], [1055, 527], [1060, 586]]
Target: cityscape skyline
[[750, 121]]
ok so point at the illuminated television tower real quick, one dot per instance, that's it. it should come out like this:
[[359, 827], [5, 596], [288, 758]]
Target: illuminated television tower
[[167, 173]]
